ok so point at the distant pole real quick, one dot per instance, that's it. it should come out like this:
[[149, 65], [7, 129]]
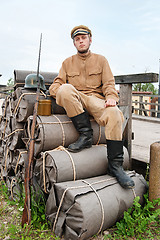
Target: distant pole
[[158, 114]]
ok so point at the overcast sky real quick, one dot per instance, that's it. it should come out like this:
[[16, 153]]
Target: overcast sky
[[126, 32]]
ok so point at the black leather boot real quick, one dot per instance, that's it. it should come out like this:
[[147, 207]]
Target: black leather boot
[[115, 162], [83, 126]]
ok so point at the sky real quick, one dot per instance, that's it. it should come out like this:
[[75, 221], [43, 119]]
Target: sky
[[126, 32]]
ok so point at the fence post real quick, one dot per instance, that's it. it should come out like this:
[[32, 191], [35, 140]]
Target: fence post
[[125, 92], [154, 174], [140, 104]]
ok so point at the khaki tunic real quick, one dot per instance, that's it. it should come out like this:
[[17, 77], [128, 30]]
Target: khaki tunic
[[90, 74], [85, 82]]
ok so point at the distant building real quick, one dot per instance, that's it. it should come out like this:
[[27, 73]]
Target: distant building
[[140, 100]]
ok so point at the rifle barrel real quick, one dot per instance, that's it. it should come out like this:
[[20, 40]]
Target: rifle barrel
[[26, 217]]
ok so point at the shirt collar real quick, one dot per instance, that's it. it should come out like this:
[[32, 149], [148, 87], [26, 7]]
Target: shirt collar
[[84, 55]]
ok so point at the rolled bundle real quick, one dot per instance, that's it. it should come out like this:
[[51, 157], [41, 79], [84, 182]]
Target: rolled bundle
[[24, 103], [6, 165], [8, 106], [1, 149], [20, 156], [55, 130], [2, 127], [20, 75], [86, 207], [14, 139], [5, 128], [11, 132], [14, 186], [60, 165]]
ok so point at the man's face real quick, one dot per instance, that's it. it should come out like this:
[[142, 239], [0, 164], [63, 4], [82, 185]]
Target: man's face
[[82, 43]]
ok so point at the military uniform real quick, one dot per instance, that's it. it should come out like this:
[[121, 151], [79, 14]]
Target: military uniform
[[89, 83], [85, 82]]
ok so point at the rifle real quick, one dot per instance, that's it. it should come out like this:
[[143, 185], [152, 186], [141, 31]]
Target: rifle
[[26, 217]]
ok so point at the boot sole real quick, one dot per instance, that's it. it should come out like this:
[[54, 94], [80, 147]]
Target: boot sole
[[74, 151], [128, 187], [125, 187]]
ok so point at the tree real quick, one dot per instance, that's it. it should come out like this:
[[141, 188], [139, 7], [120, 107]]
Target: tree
[[10, 82], [145, 87]]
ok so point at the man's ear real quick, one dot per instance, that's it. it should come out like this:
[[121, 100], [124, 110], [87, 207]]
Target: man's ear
[[90, 40]]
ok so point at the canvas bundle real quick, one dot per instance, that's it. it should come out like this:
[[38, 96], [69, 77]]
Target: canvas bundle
[[24, 103], [58, 130], [82, 199], [20, 75], [24, 100], [60, 165], [86, 207], [19, 158]]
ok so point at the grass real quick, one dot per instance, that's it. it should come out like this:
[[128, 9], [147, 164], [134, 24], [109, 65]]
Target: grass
[[138, 222], [11, 215]]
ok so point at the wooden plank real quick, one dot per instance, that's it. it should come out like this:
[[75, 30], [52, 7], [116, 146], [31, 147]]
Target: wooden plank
[[125, 111], [137, 78], [126, 100]]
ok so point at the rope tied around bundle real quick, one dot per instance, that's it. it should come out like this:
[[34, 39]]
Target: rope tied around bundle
[[18, 160], [101, 204], [62, 128], [3, 134], [60, 148], [24, 94], [94, 190], [16, 130], [13, 180], [68, 122], [5, 108], [5, 166], [62, 199]]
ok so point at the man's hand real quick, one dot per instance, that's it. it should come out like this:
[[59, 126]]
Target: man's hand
[[110, 103]]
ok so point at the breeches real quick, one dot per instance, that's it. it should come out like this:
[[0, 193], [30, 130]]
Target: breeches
[[74, 102]]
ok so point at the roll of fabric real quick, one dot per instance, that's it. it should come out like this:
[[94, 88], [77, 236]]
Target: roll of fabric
[[5, 128], [6, 164], [8, 106], [24, 100], [60, 165], [11, 132], [20, 75], [87, 207], [14, 187], [19, 157], [56, 130], [14, 139], [24, 103]]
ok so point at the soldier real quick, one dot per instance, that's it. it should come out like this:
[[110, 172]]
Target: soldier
[[85, 84]]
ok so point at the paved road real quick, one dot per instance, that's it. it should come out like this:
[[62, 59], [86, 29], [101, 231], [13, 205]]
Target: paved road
[[146, 131]]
